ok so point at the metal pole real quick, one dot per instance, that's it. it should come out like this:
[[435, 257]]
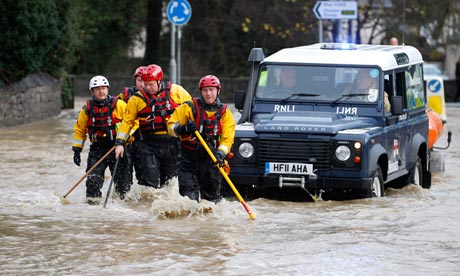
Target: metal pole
[[172, 62], [320, 30], [179, 37]]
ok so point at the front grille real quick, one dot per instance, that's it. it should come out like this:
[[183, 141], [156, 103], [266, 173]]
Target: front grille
[[298, 151]]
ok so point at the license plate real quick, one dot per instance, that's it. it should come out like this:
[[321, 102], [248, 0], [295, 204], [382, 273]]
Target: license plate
[[288, 168]]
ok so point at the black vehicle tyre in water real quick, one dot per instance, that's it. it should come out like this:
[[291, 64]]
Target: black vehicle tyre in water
[[377, 189], [416, 174]]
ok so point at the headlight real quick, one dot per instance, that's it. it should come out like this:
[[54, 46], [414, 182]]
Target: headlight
[[246, 150], [342, 153]]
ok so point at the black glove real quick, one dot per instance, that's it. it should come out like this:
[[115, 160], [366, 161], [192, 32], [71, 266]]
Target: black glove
[[187, 129], [220, 155], [76, 156]]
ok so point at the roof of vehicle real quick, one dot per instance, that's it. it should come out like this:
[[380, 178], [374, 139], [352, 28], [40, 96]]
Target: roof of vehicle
[[385, 56]]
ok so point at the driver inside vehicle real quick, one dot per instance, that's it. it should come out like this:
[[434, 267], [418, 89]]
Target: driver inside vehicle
[[288, 78], [278, 83]]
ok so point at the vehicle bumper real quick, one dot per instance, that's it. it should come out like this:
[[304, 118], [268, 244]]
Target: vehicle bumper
[[306, 181]]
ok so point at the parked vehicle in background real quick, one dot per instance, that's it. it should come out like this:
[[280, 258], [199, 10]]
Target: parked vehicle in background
[[433, 69]]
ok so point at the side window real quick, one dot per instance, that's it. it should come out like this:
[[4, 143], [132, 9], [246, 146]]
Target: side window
[[388, 84], [414, 87]]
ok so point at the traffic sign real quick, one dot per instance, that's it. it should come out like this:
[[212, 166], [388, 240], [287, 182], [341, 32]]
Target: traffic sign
[[336, 9], [179, 12], [434, 85]]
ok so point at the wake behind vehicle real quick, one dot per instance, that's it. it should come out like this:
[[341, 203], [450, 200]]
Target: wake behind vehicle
[[333, 118]]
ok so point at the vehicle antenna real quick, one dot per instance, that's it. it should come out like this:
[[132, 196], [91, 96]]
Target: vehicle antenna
[[252, 79], [404, 23]]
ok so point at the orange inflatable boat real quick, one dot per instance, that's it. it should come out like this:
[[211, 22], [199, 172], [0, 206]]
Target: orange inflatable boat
[[435, 127]]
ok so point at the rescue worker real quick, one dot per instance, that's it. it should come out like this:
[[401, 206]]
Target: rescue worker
[[198, 175], [366, 83], [288, 78], [153, 107], [394, 41], [133, 148], [98, 120]]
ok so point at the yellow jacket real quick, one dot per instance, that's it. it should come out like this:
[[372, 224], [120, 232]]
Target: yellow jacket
[[184, 113], [135, 104], [122, 96], [130, 92], [80, 127]]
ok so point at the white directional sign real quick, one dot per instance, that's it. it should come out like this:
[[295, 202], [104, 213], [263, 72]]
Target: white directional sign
[[336, 9], [179, 12]]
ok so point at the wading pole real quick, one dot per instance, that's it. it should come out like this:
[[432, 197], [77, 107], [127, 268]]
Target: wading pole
[[224, 174], [111, 181], [89, 171]]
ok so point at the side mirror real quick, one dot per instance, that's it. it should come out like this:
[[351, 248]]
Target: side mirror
[[396, 105], [239, 99]]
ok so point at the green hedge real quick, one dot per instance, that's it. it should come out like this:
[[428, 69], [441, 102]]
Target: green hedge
[[36, 36]]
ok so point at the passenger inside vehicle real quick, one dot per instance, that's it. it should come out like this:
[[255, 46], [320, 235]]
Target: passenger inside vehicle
[[388, 90], [366, 87]]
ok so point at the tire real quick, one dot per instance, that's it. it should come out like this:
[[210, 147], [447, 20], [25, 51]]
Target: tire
[[377, 187], [416, 174]]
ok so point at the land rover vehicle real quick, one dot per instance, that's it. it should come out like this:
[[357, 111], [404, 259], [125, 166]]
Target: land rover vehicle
[[322, 132]]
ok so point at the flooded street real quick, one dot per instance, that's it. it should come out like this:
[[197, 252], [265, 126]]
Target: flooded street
[[409, 232]]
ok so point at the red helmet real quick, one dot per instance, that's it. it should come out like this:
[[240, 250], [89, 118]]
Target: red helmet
[[152, 72], [139, 70], [209, 81]]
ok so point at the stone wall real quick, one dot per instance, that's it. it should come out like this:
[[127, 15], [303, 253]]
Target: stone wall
[[36, 97]]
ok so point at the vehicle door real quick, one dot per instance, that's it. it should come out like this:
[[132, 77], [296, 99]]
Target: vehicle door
[[409, 84], [395, 128]]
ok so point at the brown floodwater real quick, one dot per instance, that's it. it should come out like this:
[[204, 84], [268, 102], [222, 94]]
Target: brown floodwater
[[410, 231]]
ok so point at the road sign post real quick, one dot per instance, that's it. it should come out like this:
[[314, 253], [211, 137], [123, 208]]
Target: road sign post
[[179, 13]]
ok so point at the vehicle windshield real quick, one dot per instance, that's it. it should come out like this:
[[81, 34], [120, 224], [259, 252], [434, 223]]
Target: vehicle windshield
[[318, 83]]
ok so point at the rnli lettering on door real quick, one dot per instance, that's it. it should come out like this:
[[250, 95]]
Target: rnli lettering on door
[[284, 108]]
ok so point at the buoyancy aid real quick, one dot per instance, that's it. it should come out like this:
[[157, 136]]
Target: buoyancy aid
[[101, 125], [128, 92], [209, 126], [158, 110]]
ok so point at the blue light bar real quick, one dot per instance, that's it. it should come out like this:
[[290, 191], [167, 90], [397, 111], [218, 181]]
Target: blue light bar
[[338, 46]]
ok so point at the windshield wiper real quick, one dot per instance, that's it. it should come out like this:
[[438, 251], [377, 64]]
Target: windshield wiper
[[349, 96], [300, 95]]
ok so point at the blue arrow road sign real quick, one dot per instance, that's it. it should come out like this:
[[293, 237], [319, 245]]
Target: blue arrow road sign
[[434, 85], [179, 12]]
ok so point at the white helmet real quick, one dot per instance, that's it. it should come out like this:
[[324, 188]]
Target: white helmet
[[98, 81]]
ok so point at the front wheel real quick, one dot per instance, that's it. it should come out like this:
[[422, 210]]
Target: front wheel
[[377, 188]]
